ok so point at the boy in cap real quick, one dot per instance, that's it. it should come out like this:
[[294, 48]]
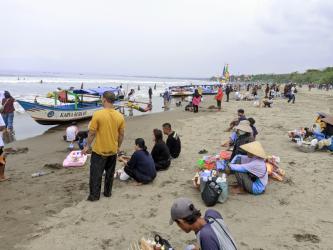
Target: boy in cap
[[210, 230]]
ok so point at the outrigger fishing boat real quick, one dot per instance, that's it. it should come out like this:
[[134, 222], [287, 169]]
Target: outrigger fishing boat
[[70, 106], [188, 90]]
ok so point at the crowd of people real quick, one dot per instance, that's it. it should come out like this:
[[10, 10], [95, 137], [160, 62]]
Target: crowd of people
[[105, 137], [104, 140], [317, 137]]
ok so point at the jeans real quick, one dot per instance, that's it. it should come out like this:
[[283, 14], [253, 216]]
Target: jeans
[[291, 97], [8, 119], [98, 164]]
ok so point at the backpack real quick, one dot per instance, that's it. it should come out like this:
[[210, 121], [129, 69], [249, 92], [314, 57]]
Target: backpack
[[226, 240], [211, 193]]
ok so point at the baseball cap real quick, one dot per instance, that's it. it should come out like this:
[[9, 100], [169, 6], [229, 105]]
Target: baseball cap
[[181, 209]]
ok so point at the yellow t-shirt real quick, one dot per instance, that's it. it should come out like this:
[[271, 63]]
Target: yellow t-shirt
[[106, 123]]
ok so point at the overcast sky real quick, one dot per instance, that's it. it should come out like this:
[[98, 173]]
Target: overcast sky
[[192, 38]]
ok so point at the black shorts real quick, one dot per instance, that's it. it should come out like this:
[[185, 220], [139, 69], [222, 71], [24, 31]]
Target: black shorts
[[218, 103]]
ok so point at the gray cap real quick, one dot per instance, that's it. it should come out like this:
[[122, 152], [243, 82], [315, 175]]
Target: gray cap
[[180, 209]]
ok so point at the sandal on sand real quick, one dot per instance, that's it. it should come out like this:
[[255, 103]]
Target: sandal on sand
[[203, 151]]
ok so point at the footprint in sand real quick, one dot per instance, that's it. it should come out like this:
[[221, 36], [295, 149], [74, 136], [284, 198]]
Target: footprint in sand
[[307, 237], [165, 183], [106, 244], [283, 202], [151, 213], [289, 181]]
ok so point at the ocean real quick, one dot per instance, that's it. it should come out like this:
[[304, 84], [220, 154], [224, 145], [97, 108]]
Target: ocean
[[29, 86]]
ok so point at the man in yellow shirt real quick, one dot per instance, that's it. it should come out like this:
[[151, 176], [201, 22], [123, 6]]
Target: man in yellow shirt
[[106, 133]]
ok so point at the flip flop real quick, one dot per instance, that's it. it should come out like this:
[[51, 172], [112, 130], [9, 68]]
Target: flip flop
[[203, 151]]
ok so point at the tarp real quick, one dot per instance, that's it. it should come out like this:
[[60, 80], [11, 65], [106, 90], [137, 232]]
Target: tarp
[[95, 91]]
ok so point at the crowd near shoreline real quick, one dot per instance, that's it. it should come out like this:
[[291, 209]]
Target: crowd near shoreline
[[244, 136]]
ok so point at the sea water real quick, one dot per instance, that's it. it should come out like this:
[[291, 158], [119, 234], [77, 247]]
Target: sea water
[[29, 86]]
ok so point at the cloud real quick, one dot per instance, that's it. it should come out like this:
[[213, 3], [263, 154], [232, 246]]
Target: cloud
[[174, 37]]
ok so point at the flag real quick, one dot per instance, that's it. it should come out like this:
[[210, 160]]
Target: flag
[[223, 74], [227, 75]]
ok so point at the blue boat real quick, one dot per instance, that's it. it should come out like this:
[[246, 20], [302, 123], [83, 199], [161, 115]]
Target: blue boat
[[65, 111]]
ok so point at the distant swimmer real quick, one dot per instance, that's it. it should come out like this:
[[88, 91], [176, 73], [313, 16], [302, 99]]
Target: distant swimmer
[[138, 87], [41, 81], [155, 86]]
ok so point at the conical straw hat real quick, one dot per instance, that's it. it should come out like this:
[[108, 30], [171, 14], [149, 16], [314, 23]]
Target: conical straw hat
[[244, 125], [254, 148]]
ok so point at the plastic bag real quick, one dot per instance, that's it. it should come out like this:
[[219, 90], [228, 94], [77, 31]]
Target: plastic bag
[[210, 193]]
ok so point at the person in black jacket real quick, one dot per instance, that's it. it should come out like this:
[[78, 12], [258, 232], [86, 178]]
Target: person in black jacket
[[140, 166], [173, 141], [244, 136], [160, 152]]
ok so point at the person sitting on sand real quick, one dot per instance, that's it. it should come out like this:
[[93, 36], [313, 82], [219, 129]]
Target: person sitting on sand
[[211, 231], [240, 117], [160, 152], [320, 125], [244, 136], [250, 170], [235, 134], [140, 166], [173, 141], [267, 102], [71, 134], [327, 131], [82, 138], [254, 129]]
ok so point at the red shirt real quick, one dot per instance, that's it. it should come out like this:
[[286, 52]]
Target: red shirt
[[8, 105]]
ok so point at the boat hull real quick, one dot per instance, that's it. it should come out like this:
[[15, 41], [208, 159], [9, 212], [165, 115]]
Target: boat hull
[[49, 115]]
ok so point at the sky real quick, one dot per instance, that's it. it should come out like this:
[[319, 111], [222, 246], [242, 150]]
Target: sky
[[180, 38]]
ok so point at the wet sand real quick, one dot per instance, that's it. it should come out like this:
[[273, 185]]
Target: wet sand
[[50, 212]]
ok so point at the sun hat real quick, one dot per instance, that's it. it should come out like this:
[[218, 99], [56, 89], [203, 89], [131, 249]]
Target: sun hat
[[255, 148], [322, 114], [181, 208], [244, 125], [328, 120]]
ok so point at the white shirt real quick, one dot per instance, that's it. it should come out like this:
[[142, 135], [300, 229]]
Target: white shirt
[[2, 124], [293, 90], [71, 133]]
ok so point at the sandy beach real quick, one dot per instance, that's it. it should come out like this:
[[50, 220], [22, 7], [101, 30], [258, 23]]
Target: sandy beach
[[51, 211]]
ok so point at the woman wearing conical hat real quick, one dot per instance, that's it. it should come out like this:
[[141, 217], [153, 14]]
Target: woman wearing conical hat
[[250, 170], [243, 136]]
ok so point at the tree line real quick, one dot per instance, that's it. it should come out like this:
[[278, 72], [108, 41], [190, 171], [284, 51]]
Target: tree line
[[316, 76]]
